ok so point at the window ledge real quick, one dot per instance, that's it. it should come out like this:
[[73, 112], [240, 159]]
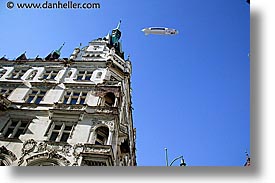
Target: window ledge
[[10, 139]]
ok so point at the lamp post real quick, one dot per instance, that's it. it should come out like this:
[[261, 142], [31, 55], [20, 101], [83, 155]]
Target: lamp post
[[182, 163]]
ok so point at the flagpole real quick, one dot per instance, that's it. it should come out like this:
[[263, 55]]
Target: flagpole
[[166, 156]]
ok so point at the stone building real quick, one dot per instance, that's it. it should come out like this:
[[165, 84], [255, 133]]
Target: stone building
[[72, 111]]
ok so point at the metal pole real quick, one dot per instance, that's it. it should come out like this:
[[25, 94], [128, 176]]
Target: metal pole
[[166, 156]]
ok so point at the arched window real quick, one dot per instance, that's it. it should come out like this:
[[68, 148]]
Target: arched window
[[47, 159], [31, 75], [109, 99], [102, 134]]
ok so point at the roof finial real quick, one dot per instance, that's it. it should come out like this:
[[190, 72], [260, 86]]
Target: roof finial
[[4, 58]]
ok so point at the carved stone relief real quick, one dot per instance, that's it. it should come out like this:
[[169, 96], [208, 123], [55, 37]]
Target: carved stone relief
[[32, 147]]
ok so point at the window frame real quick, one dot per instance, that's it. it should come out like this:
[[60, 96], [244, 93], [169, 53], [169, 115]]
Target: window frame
[[84, 75], [35, 96], [70, 96], [50, 74], [15, 128], [99, 75], [2, 72], [100, 131], [60, 131], [18, 73], [7, 93], [32, 75], [106, 103]]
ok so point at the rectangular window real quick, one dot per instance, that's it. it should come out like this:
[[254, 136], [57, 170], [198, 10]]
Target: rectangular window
[[72, 97], [60, 131], [15, 128], [64, 137], [38, 99], [6, 92], [73, 101], [36, 96], [65, 100], [82, 100], [30, 99], [79, 78], [53, 136]]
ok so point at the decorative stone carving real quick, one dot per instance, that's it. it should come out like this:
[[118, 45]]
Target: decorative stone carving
[[31, 146], [95, 150], [28, 146], [109, 124], [106, 111], [49, 155], [10, 154], [77, 149]]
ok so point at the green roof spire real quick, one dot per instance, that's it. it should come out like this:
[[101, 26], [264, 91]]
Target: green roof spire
[[59, 50]]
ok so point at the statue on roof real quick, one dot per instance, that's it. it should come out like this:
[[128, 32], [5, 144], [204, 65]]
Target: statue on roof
[[116, 34]]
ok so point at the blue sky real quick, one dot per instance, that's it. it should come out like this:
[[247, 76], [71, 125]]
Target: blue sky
[[191, 92]]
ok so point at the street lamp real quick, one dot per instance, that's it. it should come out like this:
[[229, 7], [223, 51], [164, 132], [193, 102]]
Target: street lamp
[[182, 163]]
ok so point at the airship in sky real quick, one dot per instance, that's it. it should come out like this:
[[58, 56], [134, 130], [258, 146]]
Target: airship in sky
[[159, 31]]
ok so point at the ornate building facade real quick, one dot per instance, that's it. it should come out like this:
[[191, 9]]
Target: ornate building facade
[[68, 112]]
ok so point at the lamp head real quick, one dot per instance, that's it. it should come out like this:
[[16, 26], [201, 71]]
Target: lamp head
[[182, 163]]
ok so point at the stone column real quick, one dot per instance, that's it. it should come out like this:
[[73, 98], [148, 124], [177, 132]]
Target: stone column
[[110, 138]]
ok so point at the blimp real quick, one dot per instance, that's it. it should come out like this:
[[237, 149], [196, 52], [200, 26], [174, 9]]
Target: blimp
[[159, 31]]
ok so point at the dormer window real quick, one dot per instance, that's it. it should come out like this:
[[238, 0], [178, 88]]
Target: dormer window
[[98, 75], [84, 75], [17, 73], [32, 75], [69, 74], [96, 47], [50, 74], [2, 72]]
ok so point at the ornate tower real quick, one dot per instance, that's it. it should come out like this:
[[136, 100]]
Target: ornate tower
[[68, 112]]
